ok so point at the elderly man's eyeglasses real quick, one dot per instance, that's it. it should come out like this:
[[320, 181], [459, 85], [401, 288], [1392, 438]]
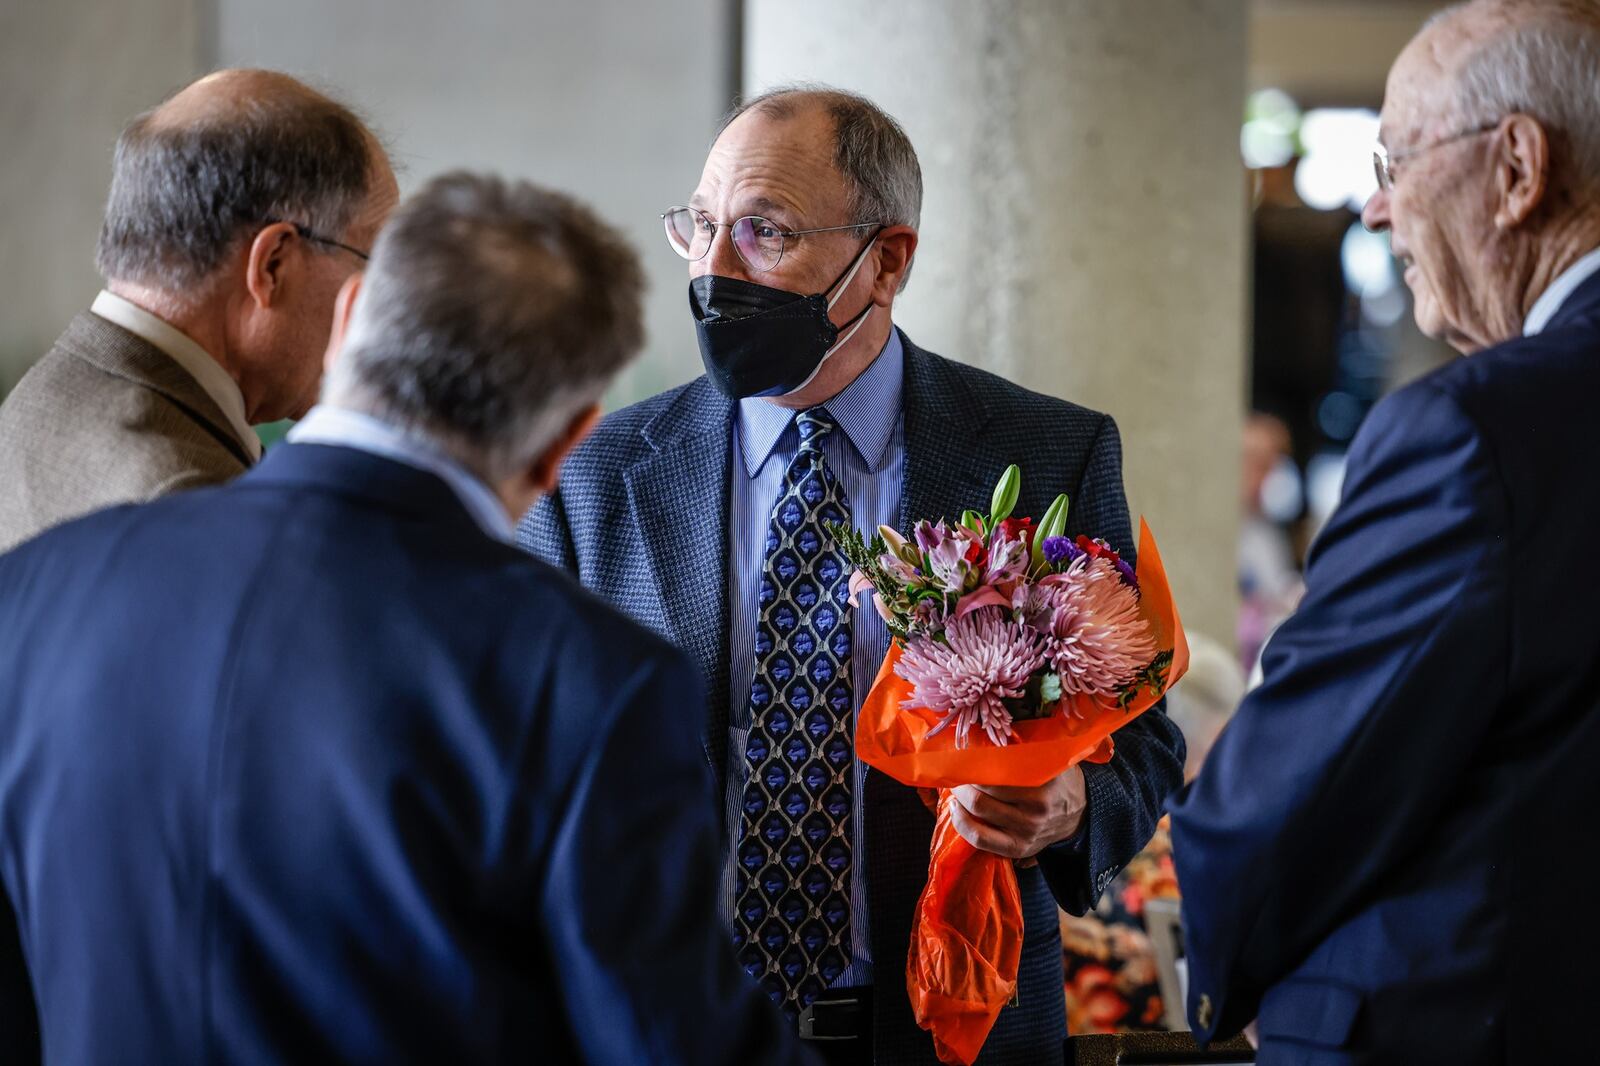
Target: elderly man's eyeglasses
[[759, 242], [1383, 160], [306, 233]]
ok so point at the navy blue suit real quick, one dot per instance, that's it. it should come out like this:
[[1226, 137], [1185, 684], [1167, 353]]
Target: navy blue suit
[[310, 768], [1375, 856], [642, 519]]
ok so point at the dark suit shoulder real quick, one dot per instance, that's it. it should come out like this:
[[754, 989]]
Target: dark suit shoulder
[[518, 579], [963, 384], [1546, 369]]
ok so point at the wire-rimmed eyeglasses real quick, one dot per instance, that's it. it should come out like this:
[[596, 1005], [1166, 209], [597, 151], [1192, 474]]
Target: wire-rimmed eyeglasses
[[759, 241], [1383, 160], [308, 234]]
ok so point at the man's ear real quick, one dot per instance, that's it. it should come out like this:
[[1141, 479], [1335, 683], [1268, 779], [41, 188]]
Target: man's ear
[[545, 473], [264, 261], [896, 246], [343, 308], [1522, 168]]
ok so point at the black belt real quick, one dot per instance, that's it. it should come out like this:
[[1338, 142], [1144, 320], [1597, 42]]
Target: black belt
[[839, 1015]]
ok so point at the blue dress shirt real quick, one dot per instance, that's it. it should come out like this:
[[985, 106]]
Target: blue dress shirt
[[343, 428], [868, 458]]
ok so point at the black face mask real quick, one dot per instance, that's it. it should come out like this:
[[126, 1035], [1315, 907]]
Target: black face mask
[[760, 341]]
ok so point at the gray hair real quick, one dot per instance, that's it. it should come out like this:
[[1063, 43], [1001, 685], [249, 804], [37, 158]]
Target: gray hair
[[1544, 61], [491, 314], [870, 150], [183, 192]]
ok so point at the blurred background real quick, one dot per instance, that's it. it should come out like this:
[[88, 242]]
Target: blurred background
[[1150, 209]]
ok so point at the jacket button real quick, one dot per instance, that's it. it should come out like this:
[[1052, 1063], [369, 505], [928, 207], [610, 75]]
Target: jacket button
[[1203, 1014]]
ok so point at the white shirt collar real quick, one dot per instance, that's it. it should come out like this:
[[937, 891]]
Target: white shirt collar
[[1550, 301], [352, 429], [184, 351]]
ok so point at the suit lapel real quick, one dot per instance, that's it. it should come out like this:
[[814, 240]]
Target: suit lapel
[[679, 496], [947, 465]]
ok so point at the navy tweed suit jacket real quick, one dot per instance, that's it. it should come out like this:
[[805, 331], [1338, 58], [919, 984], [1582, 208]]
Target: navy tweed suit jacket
[[642, 519], [1383, 857]]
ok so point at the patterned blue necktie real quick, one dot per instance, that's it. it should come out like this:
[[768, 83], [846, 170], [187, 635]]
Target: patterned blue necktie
[[792, 900]]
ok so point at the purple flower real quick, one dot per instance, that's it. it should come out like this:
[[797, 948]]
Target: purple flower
[[1008, 558], [984, 661], [949, 567], [929, 613], [1060, 549]]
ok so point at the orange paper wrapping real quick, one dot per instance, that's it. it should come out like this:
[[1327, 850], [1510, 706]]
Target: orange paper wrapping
[[966, 936]]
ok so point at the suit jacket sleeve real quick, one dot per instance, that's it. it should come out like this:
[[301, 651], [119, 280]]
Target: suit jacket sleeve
[[544, 532], [1377, 693], [1125, 795], [629, 898]]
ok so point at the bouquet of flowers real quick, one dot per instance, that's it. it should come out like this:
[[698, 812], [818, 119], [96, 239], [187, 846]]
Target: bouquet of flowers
[[1017, 653]]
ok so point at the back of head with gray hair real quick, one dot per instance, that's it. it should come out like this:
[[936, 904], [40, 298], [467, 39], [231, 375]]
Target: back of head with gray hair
[[491, 314], [870, 150], [1539, 58], [264, 147]]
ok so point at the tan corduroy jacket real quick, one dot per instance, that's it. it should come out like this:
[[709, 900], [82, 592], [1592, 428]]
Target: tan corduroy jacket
[[105, 418]]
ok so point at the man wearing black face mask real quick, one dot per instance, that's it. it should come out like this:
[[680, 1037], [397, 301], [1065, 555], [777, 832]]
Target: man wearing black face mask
[[703, 513]]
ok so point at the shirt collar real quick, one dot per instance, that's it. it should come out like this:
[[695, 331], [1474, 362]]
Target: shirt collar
[[867, 410], [187, 353], [352, 429], [1550, 301]]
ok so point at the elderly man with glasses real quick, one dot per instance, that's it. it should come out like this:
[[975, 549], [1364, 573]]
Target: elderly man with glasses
[[237, 209], [1371, 857], [688, 511]]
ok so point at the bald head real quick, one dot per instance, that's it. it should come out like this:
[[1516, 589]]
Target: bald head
[[231, 151], [1492, 128], [868, 148], [1477, 62]]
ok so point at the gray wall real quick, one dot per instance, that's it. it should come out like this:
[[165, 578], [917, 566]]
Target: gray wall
[[612, 100], [71, 73]]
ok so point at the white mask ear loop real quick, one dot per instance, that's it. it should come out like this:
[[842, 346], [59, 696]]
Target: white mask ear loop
[[844, 282], [861, 319]]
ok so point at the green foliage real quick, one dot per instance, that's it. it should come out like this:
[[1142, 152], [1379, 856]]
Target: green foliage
[[1152, 678]]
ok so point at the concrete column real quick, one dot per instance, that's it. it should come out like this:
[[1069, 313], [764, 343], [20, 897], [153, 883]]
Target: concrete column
[[1084, 220]]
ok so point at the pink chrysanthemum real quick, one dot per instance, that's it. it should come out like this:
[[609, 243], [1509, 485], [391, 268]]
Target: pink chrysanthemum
[[1094, 637], [985, 660]]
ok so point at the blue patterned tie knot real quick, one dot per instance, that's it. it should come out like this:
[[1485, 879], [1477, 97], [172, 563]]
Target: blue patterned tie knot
[[814, 423], [792, 898]]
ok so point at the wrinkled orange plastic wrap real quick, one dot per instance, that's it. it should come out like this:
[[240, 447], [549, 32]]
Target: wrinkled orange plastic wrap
[[966, 936]]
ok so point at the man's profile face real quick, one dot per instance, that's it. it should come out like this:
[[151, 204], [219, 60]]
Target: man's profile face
[[309, 314], [1438, 211], [783, 171]]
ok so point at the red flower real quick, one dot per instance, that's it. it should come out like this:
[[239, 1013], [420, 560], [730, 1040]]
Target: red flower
[[1097, 550], [975, 553], [1017, 529]]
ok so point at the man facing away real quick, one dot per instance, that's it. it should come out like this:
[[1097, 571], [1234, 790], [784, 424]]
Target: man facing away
[[1371, 857], [704, 512], [237, 209], [318, 767]]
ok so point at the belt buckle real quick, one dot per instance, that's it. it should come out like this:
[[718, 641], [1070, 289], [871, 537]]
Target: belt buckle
[[808, 1018]]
